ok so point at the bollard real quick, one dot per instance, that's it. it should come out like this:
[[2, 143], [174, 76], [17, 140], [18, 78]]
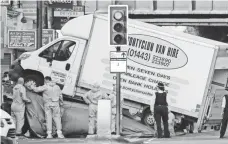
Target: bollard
[[104, 118]]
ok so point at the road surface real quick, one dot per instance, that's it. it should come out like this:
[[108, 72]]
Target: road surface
[[204, 137]]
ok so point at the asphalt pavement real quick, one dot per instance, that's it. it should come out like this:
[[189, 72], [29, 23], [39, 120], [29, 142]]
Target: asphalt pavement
[[204, 137]]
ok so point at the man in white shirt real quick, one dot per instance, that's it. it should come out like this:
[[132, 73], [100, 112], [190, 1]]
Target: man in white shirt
[[225, 116]]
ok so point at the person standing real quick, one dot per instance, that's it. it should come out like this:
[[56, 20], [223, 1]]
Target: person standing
[[18, 105], [161, 111], [53, 99], [91, 98], [225, 117]]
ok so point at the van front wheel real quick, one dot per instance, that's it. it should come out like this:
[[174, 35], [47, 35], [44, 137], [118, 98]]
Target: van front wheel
[[35, 80]]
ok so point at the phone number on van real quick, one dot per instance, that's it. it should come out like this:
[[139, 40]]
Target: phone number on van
[[144, 56]]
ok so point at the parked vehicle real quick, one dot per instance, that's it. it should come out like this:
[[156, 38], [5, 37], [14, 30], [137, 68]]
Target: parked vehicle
[[184, 63], [7, 128]]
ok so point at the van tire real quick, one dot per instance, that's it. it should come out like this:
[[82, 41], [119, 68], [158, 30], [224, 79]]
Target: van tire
[[148, 118], [38, 80]]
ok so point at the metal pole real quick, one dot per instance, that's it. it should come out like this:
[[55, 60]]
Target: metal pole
[[118, 99], [118, 104], [39, 24]]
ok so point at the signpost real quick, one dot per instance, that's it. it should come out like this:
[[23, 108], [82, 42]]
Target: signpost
[[118, 17], [22, 39]]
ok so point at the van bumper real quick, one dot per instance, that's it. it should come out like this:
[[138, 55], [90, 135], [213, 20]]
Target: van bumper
[[15, 71]]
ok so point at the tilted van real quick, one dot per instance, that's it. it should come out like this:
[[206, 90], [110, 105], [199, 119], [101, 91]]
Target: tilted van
[[81, 57]]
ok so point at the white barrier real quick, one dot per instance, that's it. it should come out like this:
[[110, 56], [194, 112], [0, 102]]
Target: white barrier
[[104, 112]]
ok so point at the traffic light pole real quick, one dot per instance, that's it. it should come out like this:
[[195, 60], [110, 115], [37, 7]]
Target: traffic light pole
[[118, 101]]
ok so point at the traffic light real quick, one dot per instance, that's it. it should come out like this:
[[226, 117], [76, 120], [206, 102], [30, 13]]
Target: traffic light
[[118, 17]]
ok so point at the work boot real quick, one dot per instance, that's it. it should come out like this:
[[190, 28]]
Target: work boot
[[60, 134]]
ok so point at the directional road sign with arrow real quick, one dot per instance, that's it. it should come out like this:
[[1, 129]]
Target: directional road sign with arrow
[[118, 61]]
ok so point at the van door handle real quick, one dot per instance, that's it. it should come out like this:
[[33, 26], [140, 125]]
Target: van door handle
[[67, 66]]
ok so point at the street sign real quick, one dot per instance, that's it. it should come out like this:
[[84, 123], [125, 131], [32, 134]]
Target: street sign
[[63, 12], [61, 3], [48, 36], [4, 2], [59, 22], [22, 39], [118, 61]]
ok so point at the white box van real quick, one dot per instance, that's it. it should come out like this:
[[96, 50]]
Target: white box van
[[184, 63]]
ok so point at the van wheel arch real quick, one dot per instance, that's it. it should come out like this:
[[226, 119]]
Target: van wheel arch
[[35, 76]]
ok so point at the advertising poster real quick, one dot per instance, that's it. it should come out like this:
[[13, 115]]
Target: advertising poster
[[48, 36], [22, 39]]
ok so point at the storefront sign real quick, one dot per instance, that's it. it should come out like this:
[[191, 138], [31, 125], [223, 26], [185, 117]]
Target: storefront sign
[[2, 34], [22, 39], [63, 12], [61, 4], [5, 2], [29, 8], [60, 21], [3, 20], [2, 39], [48, 36]]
